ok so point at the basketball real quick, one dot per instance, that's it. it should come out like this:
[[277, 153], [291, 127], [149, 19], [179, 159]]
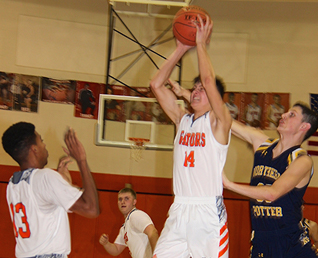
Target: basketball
[[183, 28]]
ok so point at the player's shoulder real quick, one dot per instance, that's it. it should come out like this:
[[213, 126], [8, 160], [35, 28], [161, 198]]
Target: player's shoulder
[[297, 153], [137, 212], [45, 174], [267, 143], [138, 215]]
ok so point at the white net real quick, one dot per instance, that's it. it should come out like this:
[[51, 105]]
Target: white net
[[137, 147]]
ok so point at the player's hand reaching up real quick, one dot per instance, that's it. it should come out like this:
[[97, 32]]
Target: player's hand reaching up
[[75, 148], [204, 31], [183, 46], [62, 168], [226, 181], [176, 88]]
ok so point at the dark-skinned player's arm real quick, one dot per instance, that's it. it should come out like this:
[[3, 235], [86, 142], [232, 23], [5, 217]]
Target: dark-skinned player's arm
[[87, 205]]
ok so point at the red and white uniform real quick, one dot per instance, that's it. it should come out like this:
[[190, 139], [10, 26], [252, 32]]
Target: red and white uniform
[[275, 114], [253, 113], [233, 110], [196, 226], [38, 201], [131, 234]]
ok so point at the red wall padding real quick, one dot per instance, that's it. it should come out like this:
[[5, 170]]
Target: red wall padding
[[86, 232]]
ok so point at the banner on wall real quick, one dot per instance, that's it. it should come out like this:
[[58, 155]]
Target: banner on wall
[[260, 110], [58, 91], [313, 140], [6, 96], [87, 99], [122, 110], [19, 92], [275, 105]]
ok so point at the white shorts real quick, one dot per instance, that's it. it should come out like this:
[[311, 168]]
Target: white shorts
[[196, 227]]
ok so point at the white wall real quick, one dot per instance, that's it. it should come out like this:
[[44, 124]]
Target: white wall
[[256, 46]]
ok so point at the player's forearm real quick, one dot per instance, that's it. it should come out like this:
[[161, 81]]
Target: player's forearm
[[111, 249], [209, 83], [153, 238], [90, 195], [166, 69], [255, 192], [185, 94], [205, 65]]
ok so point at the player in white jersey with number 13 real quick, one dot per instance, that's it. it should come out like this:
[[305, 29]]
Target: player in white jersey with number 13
[[39, 198], [196, 226]]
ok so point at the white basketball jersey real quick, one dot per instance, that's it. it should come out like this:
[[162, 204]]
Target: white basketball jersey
[[131, 234], [233, 110], [38, 201], [198, 159], [253, 113], [276, 114]]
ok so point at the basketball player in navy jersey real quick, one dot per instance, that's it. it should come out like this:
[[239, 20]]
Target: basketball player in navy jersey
[[281, 174]]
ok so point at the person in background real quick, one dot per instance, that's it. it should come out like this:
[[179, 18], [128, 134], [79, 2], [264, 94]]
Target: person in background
[[253, 112], [138, 232], [274, 112], [231, 106], [310, 231]]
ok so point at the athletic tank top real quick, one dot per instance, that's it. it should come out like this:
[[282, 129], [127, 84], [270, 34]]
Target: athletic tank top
[[286, 210], [198, 159]]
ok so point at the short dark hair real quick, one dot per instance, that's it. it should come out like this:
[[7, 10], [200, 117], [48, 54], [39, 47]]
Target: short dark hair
[[18, 139], [128, 190], [309, 116], [220, 85]]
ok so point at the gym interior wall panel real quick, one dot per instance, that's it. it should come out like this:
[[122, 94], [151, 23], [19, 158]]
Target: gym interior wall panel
[[239, 227], [61, 45], [85, 233], [7, 240]]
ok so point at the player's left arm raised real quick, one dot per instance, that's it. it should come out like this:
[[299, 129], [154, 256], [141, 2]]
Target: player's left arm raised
[[223, 119], [296, 175]]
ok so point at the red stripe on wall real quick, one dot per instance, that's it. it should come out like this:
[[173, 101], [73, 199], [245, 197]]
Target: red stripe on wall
[[312, 143], [110, 182]]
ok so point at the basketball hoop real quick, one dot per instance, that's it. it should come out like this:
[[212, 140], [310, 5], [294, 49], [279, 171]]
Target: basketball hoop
[[137, 147]]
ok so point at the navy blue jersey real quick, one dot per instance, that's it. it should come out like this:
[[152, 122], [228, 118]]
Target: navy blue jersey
[[286, 210]]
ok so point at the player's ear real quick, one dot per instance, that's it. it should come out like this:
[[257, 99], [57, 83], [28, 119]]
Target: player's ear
[[33, 148], [305, 126], [135, 201]]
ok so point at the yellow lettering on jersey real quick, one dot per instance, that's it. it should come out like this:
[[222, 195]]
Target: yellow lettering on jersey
[[304, 240], [262, 170], [267, 211], [279, 212]]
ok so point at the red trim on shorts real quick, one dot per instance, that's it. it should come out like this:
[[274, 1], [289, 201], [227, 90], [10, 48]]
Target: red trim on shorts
[[224, 239]]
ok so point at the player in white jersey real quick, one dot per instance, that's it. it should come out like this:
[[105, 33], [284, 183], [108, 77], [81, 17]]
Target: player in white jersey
[[138, 232], [39, 198], [253, 112], [231, 106], [274, 112], [196, 226]]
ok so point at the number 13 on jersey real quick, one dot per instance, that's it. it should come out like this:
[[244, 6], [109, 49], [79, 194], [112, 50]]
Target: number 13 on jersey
[[23, 225]]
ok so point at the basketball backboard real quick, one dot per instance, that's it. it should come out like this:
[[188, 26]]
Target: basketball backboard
[[121, 119]]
